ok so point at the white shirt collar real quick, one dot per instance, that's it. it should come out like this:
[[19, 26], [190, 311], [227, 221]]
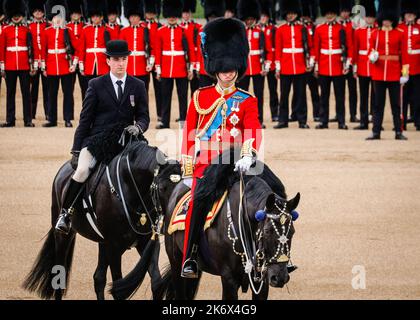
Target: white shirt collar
[[114, 80]]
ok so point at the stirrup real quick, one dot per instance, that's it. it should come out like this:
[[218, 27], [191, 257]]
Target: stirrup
[[190, 269]]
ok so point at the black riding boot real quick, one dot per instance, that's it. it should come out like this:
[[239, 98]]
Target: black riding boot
[[190, 266], [64, 220]]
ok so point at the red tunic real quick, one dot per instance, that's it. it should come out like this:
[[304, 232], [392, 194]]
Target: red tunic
[[114, 30], [392, 51], [289, 53], [76, 28], [327, 50], [153, 27], [137, 61], [170, 54], [257, 51], [92, 50], [270, 33], [53, 54], [14, 54], [37, 30], [412, 42], [361, 49], [194, 29]]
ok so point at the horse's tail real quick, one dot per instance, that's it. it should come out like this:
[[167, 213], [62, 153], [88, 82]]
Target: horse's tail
[[163, 288], [124, 288], [39, 279]]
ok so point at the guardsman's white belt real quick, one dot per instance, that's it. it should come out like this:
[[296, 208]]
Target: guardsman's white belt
[[292, 50], [173, 53], [331, 51], [138, 53], [16, 49], [96, 50], [56, 51], [255, 52], [363, 52]]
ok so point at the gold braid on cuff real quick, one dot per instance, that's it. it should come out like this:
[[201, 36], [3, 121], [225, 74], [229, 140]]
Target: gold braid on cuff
[[247, 149]]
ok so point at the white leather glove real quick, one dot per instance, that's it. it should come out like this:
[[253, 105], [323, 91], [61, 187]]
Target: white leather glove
[[133, 130], [404, 79], [374, 56], [188, 182], [244, 164]]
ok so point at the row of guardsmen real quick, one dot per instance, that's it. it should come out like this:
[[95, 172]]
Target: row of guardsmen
[[298, 52]]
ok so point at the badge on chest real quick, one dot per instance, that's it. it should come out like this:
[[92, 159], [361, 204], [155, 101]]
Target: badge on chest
[[416, 31], [132, 100]]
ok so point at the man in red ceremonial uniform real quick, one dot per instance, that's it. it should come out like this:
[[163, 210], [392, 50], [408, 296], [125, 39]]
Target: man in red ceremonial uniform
[[292, 62], [333, 53], [57, 63], [152, 8], [193, 28], [260, 54], [92, 46], [137, 35], [268, 26], [410, 10], [219, 116], [2, 25], [362, 68], [75, 26], [212, 9], [16, 57], [175, 58], [390, 69], [114, 11], [37, 27]]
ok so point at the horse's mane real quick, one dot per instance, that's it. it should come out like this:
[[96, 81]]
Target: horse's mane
[[144, 157], [257, 191]]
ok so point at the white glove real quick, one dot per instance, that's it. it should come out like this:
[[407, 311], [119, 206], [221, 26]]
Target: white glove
[[133, 130], [374, 56], [188, 182], [404, 79], [244, 164], [311, 62]]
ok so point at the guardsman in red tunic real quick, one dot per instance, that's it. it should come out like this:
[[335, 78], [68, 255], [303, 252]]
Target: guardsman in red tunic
[[292, 59], [269, 28], [152, 7], [219, 116], [137, 35], [390, 69], [92, 46], [260, 54], [2, 25], [309, 12], [411, 29], [114, 11], [16, 58], [345, 12], [362, 68], [76, 26], [57, 63], [333, 55], [37, 27], [193, 28], [175, 58], [212, 9]]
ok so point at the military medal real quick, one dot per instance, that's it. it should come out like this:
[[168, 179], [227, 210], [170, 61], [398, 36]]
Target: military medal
[[132, 100], [234, 120]]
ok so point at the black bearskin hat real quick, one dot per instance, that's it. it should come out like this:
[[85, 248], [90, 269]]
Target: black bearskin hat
[[290, 6], [369, 6], [114, 6], [152, 6], [231, 5], [214, 8], [267, 8], [309, 8], [172, 8], [75, 6], [189, 6], [346, 5], [327, 6], [36, 5], [249, 9], [225, 46], [410, 6], [14, 7], [95, 7], [51, 4], [133, 7], [389, 10]]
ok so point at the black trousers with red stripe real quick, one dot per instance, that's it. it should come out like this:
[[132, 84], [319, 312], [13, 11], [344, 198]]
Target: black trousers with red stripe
[[35, 91], [380, 88], [11, 81], [182, 90]]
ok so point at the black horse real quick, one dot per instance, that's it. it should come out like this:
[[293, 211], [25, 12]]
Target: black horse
[[267, 241], [126, 213]]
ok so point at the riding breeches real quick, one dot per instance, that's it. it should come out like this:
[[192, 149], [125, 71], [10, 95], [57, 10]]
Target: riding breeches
[[85, 164]]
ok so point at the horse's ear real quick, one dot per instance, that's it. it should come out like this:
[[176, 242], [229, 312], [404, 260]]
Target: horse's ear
[[293, 203], [269, 203]]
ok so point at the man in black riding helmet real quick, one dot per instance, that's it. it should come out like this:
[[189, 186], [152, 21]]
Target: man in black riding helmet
[[113, 102]]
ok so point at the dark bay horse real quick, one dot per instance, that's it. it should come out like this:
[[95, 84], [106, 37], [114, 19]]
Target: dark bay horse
[[268, 241], [121, 200]]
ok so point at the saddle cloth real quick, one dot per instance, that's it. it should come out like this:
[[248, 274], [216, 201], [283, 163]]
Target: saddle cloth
[[180, 213]]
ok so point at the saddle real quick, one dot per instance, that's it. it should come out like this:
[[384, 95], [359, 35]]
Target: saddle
[[179, 214]]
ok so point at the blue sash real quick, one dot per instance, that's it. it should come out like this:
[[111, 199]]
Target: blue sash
[[235, 100]]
